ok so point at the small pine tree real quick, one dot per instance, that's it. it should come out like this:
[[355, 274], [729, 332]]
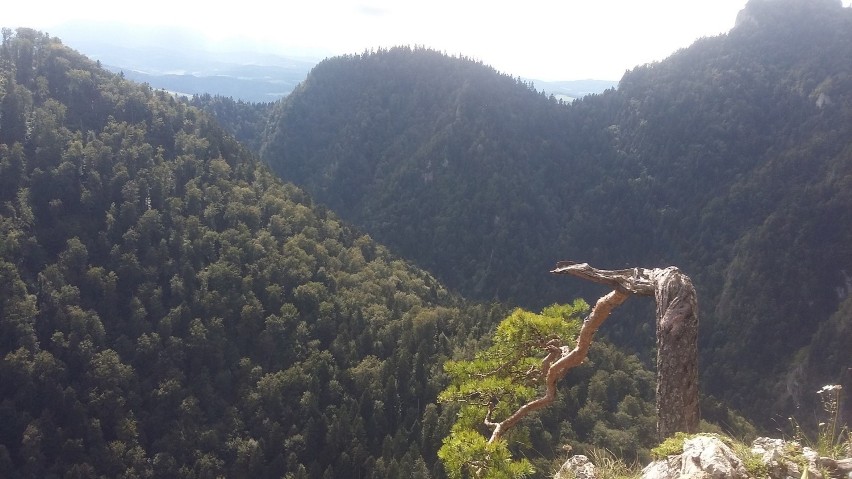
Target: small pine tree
[[499, 383]]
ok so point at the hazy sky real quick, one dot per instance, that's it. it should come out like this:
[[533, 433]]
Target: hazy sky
[[546, 40]]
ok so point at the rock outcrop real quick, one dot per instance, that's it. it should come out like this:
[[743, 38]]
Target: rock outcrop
[[703, 456], [707, 456], [577, 467]]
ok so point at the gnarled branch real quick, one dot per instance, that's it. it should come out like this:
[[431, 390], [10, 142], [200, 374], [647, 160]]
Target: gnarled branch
[[558, 362], [633, 280]]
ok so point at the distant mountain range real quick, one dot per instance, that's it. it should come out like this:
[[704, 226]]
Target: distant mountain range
[[239, 82], [572, 89], [182, 63]]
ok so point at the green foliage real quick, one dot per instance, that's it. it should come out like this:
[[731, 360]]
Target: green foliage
[[467, 454], [671, 446], [497, 381], [721, 419], [245, 121], [501, 372], [505, 373]]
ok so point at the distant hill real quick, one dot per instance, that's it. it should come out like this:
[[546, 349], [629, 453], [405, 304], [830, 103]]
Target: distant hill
[[573, 89], [238, 82], [730, 159], [179, 62]]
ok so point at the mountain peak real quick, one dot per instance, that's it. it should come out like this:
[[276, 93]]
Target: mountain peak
[[761, 12]]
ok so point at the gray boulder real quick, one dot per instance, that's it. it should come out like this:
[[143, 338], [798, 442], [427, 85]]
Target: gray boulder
[[703, 457], [577, 467]]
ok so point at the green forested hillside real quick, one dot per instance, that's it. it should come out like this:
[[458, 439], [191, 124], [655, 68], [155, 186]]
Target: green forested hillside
[[169, 308], [731, 159], [245, 121], [437, 156]]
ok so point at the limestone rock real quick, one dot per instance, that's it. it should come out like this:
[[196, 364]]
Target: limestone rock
[[783, 459], [668, 468], [706, 456], [577, 467], [703, 457]]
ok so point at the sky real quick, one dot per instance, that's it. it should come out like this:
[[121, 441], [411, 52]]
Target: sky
[[544, 40]]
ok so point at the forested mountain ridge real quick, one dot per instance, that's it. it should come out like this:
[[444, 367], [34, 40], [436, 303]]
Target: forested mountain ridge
[[245, 121], [433, 154], [730, 159], [169, 308]]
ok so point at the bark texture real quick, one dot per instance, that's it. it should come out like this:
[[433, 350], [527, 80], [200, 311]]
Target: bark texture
[[677, 336], [677, 353]]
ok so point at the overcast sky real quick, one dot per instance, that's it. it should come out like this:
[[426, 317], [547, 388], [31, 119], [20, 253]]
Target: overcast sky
[[545, 40]]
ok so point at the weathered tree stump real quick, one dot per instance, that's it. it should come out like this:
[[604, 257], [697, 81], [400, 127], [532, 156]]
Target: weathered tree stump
[[677, 336]]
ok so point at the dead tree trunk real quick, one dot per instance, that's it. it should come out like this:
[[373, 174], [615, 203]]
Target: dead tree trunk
[[677, 336], [677, 353]]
